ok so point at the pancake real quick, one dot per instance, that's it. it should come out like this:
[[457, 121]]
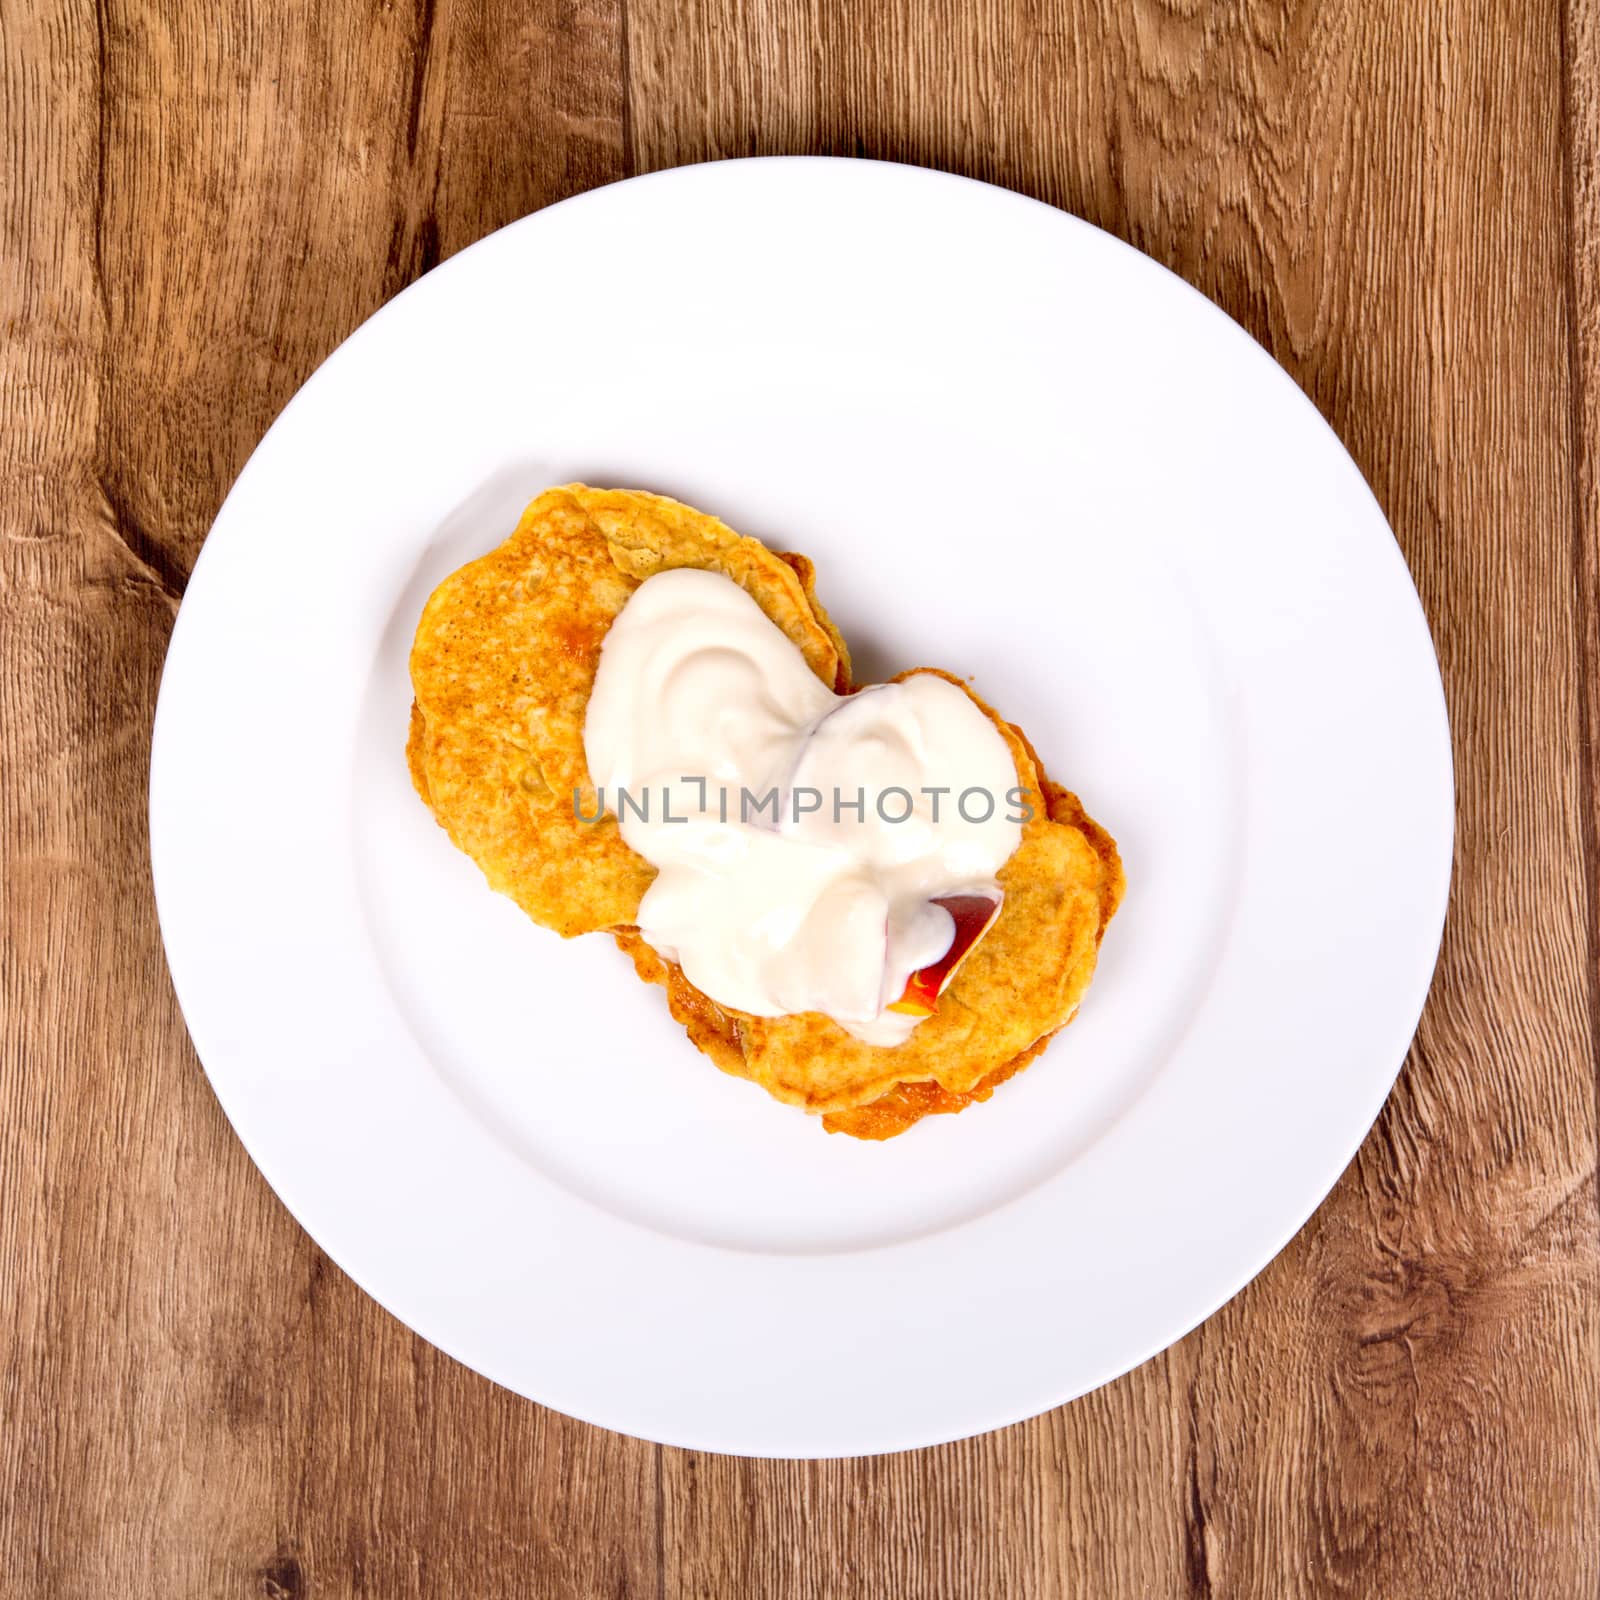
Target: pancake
[[1020, 985], [502, 666]]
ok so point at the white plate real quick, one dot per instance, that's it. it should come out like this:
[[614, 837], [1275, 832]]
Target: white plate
[[1015, 448]]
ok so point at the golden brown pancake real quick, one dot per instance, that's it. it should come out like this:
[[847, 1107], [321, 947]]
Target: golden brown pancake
[[502, 666]]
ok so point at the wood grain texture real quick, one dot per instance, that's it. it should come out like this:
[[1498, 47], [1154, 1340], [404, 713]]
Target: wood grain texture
[[202, 202], [1401, 200], [1407, 1403]]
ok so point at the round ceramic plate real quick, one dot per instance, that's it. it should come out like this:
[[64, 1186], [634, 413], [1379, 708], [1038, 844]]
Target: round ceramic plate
[[1015, 449]]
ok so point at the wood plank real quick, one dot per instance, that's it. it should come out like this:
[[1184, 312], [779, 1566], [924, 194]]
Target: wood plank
[[1406, 1403], [1581, 122], [203, 202]]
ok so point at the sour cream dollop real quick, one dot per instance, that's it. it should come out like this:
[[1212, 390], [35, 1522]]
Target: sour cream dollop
[[801, 837]]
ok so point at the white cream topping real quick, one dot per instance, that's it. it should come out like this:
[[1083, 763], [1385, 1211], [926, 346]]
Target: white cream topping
[[736, 773]]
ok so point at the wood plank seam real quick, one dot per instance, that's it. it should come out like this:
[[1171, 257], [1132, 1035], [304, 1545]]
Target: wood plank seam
[[1580, 382]]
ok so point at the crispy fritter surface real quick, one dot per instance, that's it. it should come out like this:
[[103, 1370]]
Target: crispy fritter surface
[[504, 659], [1021, 984], [502, 665]]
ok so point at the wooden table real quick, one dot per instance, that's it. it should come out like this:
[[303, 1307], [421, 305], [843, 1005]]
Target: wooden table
[[1400, 198]]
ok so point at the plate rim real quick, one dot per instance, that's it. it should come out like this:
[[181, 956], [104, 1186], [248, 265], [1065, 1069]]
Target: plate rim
[[162, 757]]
